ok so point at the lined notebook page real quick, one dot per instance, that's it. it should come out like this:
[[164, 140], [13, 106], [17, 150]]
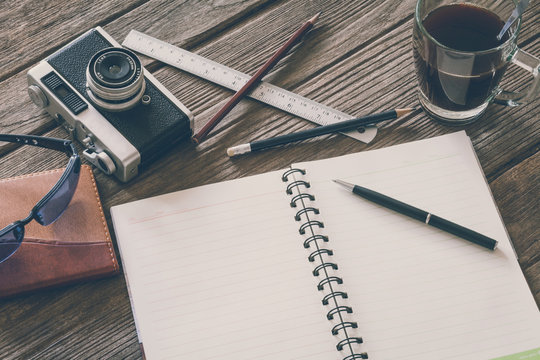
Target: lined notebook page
[[219, 272], [416, 292]]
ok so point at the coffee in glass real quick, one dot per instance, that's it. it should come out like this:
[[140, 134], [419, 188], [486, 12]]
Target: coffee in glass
[[459, 60]]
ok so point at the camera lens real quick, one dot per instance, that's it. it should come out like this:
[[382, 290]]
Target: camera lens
[[115, 79]]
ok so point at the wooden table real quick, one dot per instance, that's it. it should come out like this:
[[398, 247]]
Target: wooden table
[[357, 59]]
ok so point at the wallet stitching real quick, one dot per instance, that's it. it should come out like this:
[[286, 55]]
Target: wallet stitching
[[31, 175], [104, 223]]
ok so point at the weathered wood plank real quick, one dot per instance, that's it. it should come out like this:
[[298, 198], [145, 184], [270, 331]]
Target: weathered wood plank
[[90, 320], [335, 87], [335, 38], [516, 192], [319, 87], [32, 29], [379, 76], [187, 23], [340, 66], [363, 82], [296, 69]]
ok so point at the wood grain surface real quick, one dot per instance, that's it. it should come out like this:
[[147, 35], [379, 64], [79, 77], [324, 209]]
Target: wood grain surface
[[357, 59]]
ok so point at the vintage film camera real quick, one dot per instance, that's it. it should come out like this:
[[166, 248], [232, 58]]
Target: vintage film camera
[[100, 93]]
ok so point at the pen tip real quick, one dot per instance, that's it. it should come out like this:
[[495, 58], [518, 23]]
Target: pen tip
[[313, 19], [345, 184]]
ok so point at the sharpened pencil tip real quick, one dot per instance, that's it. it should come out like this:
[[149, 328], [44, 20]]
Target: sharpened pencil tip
[[313, 19], [405, 111]]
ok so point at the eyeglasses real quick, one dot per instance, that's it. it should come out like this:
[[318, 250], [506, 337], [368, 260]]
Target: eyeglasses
[[53, 204]]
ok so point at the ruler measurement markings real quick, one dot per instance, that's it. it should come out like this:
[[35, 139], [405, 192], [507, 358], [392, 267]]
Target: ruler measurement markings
[[234, 80]]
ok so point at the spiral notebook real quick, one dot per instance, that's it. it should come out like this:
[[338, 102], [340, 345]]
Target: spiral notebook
[[289, 265]]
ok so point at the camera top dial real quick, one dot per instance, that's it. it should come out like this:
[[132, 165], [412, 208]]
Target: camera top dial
[[115, 79]]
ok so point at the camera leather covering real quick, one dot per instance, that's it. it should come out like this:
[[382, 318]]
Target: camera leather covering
[[76, 247]]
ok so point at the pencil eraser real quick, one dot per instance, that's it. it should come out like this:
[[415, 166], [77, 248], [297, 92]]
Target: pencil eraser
[[239, 150]]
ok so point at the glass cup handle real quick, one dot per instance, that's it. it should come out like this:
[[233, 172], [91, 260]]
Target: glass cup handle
[[530, 63]]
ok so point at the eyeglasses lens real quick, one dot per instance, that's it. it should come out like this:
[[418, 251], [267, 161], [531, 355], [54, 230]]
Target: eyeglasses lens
[[10, 240], [55, 206]]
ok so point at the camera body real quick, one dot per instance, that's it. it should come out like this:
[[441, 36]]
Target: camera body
[[100, 93]]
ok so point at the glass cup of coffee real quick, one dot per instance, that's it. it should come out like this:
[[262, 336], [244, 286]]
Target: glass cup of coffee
[[460, 61]]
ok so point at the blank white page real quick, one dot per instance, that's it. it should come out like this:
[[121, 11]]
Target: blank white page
[[219, 272], [417, 292]]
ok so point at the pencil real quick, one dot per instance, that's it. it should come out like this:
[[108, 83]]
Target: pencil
[[346, 125], [421, 215], [197, 138]]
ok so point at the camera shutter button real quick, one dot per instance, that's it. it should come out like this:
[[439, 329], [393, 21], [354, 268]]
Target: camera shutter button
[[38, 96]]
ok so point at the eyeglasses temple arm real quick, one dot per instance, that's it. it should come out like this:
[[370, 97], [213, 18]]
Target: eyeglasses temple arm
[[46, 142]]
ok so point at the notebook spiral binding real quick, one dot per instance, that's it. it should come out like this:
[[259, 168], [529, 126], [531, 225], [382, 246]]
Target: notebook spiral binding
[[323, 268]]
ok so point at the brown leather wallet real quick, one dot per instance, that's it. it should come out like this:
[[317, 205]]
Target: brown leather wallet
[[76, 247]]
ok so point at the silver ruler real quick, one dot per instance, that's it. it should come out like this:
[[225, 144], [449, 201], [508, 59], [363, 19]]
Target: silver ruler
[[234, 80]]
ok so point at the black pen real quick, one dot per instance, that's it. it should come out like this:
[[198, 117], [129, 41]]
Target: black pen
[[346, 125], [421, 215]]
